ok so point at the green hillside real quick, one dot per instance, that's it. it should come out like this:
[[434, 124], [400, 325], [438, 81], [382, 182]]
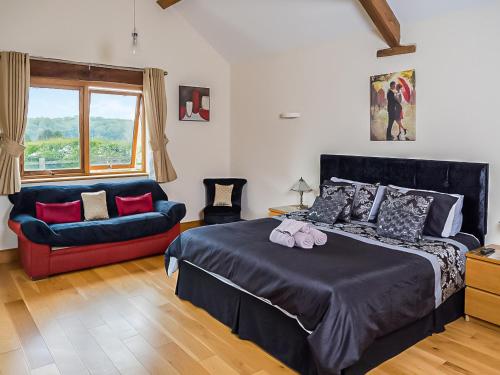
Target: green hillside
[[57, 141], [41, 128]]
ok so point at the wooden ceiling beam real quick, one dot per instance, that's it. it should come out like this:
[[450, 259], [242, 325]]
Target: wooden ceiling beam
[[382, 16], [166, 3], [384, 19], [398, 50], [388, 25]]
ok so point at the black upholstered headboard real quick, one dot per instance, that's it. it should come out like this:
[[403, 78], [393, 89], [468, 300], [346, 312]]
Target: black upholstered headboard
[[468, 179]]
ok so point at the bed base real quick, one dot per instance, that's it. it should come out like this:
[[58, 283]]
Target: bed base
[[282, 337]]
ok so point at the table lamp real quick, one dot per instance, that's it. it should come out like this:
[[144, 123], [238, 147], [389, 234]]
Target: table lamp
[[301, 187]]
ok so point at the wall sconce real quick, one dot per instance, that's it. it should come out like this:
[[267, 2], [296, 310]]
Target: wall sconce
[[289, 115]]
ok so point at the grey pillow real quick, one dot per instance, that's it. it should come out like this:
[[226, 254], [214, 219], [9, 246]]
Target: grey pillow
[[402, 216], [363, 202], [343, 195], [369, 200], [325, 210]]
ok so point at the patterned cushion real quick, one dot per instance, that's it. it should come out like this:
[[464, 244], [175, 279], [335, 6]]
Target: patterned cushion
[[445, 213], [223, 195], [327, 183], [363, 202], [325, 210], [402, 216], [392, 193], [343, 195]]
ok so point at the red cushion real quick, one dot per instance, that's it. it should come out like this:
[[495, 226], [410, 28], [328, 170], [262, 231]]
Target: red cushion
[[57, 213], [134, 205]]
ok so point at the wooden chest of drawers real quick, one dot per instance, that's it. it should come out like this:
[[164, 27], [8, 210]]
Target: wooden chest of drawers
[[482, 278]]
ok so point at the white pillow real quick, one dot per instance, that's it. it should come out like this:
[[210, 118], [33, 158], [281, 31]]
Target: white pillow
[[223, 195], [379, 197], [94, 205]]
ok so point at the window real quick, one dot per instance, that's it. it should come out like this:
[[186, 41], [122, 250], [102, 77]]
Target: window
[[52, 136], [78, 128], [114, 119]]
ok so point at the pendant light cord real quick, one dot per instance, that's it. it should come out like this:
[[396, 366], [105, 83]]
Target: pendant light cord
[[134, 16]]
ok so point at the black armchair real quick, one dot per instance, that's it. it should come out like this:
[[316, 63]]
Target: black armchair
[[223, 214]]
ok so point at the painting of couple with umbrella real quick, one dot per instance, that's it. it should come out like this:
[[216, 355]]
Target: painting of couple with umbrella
[[393, 107]]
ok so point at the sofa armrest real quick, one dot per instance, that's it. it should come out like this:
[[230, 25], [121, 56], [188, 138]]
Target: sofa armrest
[[30, 225], [173, 210]]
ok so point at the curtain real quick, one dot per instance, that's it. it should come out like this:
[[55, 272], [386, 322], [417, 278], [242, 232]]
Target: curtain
[[14, 90], [155, 103]]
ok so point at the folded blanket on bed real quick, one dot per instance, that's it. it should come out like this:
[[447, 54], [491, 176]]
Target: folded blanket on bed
[[281, 238], [302, 234], [291, 226], [318, 236], [303, 240]]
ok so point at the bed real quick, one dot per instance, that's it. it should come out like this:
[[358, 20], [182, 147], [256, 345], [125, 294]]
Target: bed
[[337, 308]]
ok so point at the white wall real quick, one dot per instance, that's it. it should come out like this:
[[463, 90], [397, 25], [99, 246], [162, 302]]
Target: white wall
[[457, 106], [99, 31]]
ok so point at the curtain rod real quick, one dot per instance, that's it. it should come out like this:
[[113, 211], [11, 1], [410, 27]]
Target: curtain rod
[[88, 64]]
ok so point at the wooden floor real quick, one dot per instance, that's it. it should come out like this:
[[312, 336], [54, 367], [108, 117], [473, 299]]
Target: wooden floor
[[125, 319]]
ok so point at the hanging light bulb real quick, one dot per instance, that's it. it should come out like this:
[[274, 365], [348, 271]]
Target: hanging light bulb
[[135, 36], [134, 42]]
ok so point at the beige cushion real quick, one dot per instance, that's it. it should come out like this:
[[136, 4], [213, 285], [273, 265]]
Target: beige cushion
[[223, 195], [94, 205]]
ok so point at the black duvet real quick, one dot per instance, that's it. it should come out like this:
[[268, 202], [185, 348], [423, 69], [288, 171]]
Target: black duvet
[[347, 292]]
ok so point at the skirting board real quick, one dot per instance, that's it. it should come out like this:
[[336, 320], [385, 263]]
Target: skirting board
[[191, 224], [8, 256]]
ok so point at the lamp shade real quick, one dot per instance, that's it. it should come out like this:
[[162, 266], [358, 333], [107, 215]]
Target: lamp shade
[[301, 186]]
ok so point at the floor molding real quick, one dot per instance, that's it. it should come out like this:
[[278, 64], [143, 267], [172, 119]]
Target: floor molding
[[191, 224], [9, 256]]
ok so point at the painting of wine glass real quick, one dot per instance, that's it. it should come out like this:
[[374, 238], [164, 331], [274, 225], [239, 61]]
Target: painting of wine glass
[[194, 103]]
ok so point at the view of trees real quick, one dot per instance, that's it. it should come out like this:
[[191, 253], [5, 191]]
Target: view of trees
[[57, 142]]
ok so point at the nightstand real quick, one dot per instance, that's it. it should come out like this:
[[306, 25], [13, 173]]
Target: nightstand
[[275, 211], [482, 280]]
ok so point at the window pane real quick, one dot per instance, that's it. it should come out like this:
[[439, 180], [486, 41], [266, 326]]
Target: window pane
[[112, 119], [52, 137]]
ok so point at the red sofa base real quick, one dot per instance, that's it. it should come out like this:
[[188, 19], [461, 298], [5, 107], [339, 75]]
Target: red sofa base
[[40, 261]]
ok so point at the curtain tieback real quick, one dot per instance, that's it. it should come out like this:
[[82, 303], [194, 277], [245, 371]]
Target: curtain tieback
[[11, 147], [157, 146]]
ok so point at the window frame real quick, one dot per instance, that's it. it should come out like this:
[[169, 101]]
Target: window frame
[[86, 88]]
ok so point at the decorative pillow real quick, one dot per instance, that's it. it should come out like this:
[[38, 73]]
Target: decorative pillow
[[57, 213], [344, 195], [134, 205], [402, 216], [392, 193], [377, 201], [223, 195], [325, 210], [363, 202], [94, 205], [327, 183], [444, 218]]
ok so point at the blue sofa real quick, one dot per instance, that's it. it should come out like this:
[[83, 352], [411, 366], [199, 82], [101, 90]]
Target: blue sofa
[[90, 243]]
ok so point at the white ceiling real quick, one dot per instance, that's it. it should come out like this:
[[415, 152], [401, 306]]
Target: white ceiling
[[239, 29]]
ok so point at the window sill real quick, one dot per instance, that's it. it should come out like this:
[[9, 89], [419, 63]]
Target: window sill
[[36, 180]]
